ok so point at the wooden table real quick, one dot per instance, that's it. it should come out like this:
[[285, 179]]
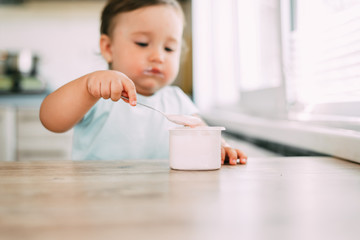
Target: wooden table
[[269, 198]]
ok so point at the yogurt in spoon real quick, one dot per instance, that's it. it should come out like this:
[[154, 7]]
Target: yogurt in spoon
[[185, 120]]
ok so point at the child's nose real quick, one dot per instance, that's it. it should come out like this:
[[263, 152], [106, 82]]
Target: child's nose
[[157, 56]]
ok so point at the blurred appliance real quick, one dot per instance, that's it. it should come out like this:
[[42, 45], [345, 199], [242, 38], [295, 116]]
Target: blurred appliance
[[18, 72]]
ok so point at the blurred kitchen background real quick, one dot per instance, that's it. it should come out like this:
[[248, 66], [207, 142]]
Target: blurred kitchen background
[[281, 75]]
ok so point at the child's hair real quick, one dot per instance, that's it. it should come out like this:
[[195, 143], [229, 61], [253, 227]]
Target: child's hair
[[114, 7]]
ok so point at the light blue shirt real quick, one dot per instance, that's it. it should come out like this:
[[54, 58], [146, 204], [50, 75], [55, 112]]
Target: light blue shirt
[[116, 130]]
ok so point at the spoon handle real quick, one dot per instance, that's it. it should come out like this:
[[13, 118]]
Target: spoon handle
[[145, 106]]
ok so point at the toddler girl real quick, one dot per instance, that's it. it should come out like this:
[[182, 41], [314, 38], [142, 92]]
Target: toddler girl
[[141, 41]]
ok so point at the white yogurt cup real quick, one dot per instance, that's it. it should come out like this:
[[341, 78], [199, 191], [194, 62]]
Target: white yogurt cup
[[196, 148]]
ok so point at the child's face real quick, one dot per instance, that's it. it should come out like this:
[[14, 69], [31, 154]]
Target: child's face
[[146, 46]]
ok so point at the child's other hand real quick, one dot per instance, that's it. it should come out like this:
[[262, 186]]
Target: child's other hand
[[231, 155], [111, 84]]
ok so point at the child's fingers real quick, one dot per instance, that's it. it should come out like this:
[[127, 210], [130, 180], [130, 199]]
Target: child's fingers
[[116, 90], [223, 154], [232, 155], [130, 89], [94, 88], [242, 156], [125, 97], [105, 89]]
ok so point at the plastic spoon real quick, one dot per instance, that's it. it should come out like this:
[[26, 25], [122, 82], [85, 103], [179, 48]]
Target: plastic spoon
[[185, 120]]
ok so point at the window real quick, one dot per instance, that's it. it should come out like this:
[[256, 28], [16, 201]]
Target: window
[[237, 55], [322, 58], [283, 71], [259, 44], [284, 58]]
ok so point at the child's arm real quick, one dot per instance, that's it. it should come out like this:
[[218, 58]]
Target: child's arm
[[66, 106], [229, 154]]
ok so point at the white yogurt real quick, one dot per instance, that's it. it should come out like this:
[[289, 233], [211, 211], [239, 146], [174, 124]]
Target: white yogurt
[[185, 120], [196, 148]]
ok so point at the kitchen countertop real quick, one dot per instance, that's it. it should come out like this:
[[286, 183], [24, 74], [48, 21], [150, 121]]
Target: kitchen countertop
[[269, 198]]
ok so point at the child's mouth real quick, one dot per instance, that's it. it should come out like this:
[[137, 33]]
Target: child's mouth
[[154, 72]]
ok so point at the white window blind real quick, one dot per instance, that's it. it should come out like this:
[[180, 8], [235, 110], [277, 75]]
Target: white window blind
[[237, 55], [214, 51], [323, 64], [259, 44]]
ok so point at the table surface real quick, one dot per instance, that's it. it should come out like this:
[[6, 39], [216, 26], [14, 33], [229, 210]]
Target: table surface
[[269, 198]]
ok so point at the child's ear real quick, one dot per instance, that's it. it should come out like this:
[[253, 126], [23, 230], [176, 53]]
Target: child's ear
[[105, 47]]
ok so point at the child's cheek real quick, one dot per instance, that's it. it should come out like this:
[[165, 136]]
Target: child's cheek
[[138, 68]]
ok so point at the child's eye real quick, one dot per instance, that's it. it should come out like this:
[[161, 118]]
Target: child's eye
[[169, 49], [141, 44]]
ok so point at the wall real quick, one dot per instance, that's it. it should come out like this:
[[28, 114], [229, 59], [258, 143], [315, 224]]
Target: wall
[[64, 34]]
